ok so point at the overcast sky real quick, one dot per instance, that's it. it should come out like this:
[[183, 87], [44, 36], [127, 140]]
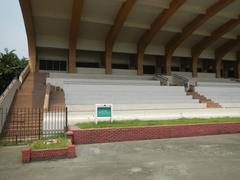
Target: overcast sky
[[12, 30]]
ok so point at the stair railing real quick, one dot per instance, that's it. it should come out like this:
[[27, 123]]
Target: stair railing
[[164, 81]]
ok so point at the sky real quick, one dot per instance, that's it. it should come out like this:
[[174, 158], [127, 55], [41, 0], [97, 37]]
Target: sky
[[12, 30]]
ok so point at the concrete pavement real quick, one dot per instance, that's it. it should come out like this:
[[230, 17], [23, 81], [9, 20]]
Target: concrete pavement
[[198, 158]]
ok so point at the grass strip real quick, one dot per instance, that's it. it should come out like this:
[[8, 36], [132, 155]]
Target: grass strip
[[39, 144], [131, 123]]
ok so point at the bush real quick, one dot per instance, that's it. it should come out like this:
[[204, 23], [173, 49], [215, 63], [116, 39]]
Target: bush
[[10, 66]]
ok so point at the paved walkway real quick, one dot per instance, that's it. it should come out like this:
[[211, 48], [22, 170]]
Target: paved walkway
[[196, 158]]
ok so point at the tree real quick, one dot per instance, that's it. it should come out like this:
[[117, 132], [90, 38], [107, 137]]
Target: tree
[[10, 67]]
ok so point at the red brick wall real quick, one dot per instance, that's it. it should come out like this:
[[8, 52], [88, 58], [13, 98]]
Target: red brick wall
[[88, 136], [48, 154], [28, 155]]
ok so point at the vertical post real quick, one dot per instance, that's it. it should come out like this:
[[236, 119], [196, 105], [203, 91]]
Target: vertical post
[[140, 60], [39, 123], [66, 118], [1, 125], [168, 62], [194, 66], [218, 67], [108, 60]]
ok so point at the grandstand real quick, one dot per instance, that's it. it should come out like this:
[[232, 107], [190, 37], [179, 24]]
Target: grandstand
[[155, 59]]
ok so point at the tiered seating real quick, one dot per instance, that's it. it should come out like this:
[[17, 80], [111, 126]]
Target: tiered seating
[[130, 95], [226, 96], [208, 79], [164, 97], [99, 73]]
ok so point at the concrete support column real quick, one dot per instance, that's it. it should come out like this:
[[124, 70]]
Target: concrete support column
[[72, 60], [194, 66], [108, 60], [168, 62], [140, 59], [33, 63], [218, 67], [31, 34], [77, 7]]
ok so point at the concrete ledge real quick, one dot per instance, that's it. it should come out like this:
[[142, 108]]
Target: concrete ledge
[[104, 135], [29, 155]]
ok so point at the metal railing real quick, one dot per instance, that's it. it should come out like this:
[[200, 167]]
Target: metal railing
[[164, 81], [179, 80], [25, 125], [46, 97]]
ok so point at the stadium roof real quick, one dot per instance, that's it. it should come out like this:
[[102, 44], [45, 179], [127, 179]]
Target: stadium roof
[[176, 27]]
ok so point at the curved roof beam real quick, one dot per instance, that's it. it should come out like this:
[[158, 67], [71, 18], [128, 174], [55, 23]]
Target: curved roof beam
[[114, 31], [221, 51], [199, 47], [31, 34], [77, 7], [172, 45], [156, 26]]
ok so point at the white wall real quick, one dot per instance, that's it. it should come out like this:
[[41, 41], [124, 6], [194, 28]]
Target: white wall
[[52, 54], [120, 58], [89, 56]]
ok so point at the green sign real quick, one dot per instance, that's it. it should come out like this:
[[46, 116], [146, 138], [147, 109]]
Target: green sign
[[104, 112]]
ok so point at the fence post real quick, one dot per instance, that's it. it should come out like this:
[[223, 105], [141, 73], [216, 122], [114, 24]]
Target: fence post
[[1, 120], [66, 114], [39, 123]]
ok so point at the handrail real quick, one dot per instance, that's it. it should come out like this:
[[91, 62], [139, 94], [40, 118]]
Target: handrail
[[6, 91], [24, 74], [180, 77], [47, 96], [163, 80], [184, 81]]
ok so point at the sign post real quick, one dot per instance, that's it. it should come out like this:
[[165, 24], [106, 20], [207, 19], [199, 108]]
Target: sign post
[[103, 111]]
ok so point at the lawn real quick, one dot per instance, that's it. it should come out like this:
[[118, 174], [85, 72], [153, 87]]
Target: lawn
[[62, 142], [131, 123]]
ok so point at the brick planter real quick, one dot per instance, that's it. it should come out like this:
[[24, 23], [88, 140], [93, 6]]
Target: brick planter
[[29, 155], [103, 135]]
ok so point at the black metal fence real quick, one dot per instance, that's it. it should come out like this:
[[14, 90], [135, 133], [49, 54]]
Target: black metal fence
[[28, 124]]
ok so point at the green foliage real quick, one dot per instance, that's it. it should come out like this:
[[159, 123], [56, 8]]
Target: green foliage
[[131, 123], [39, 144], [10, 66]]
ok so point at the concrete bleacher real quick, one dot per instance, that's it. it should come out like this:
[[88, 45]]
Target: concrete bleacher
[[208, 79], [126, 100], [99, 73], [135, 97], [226, 96], [130, 94]]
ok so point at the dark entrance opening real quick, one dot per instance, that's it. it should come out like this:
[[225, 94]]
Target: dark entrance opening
[[148, 69], [52, 65]]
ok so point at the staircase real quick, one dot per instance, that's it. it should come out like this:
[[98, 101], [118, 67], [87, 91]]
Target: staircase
[[203, 99], [56, 99], [25, 117], [31, 93]]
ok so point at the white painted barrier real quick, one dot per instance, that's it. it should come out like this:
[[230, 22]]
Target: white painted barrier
[[54, 122], [6, 100]]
